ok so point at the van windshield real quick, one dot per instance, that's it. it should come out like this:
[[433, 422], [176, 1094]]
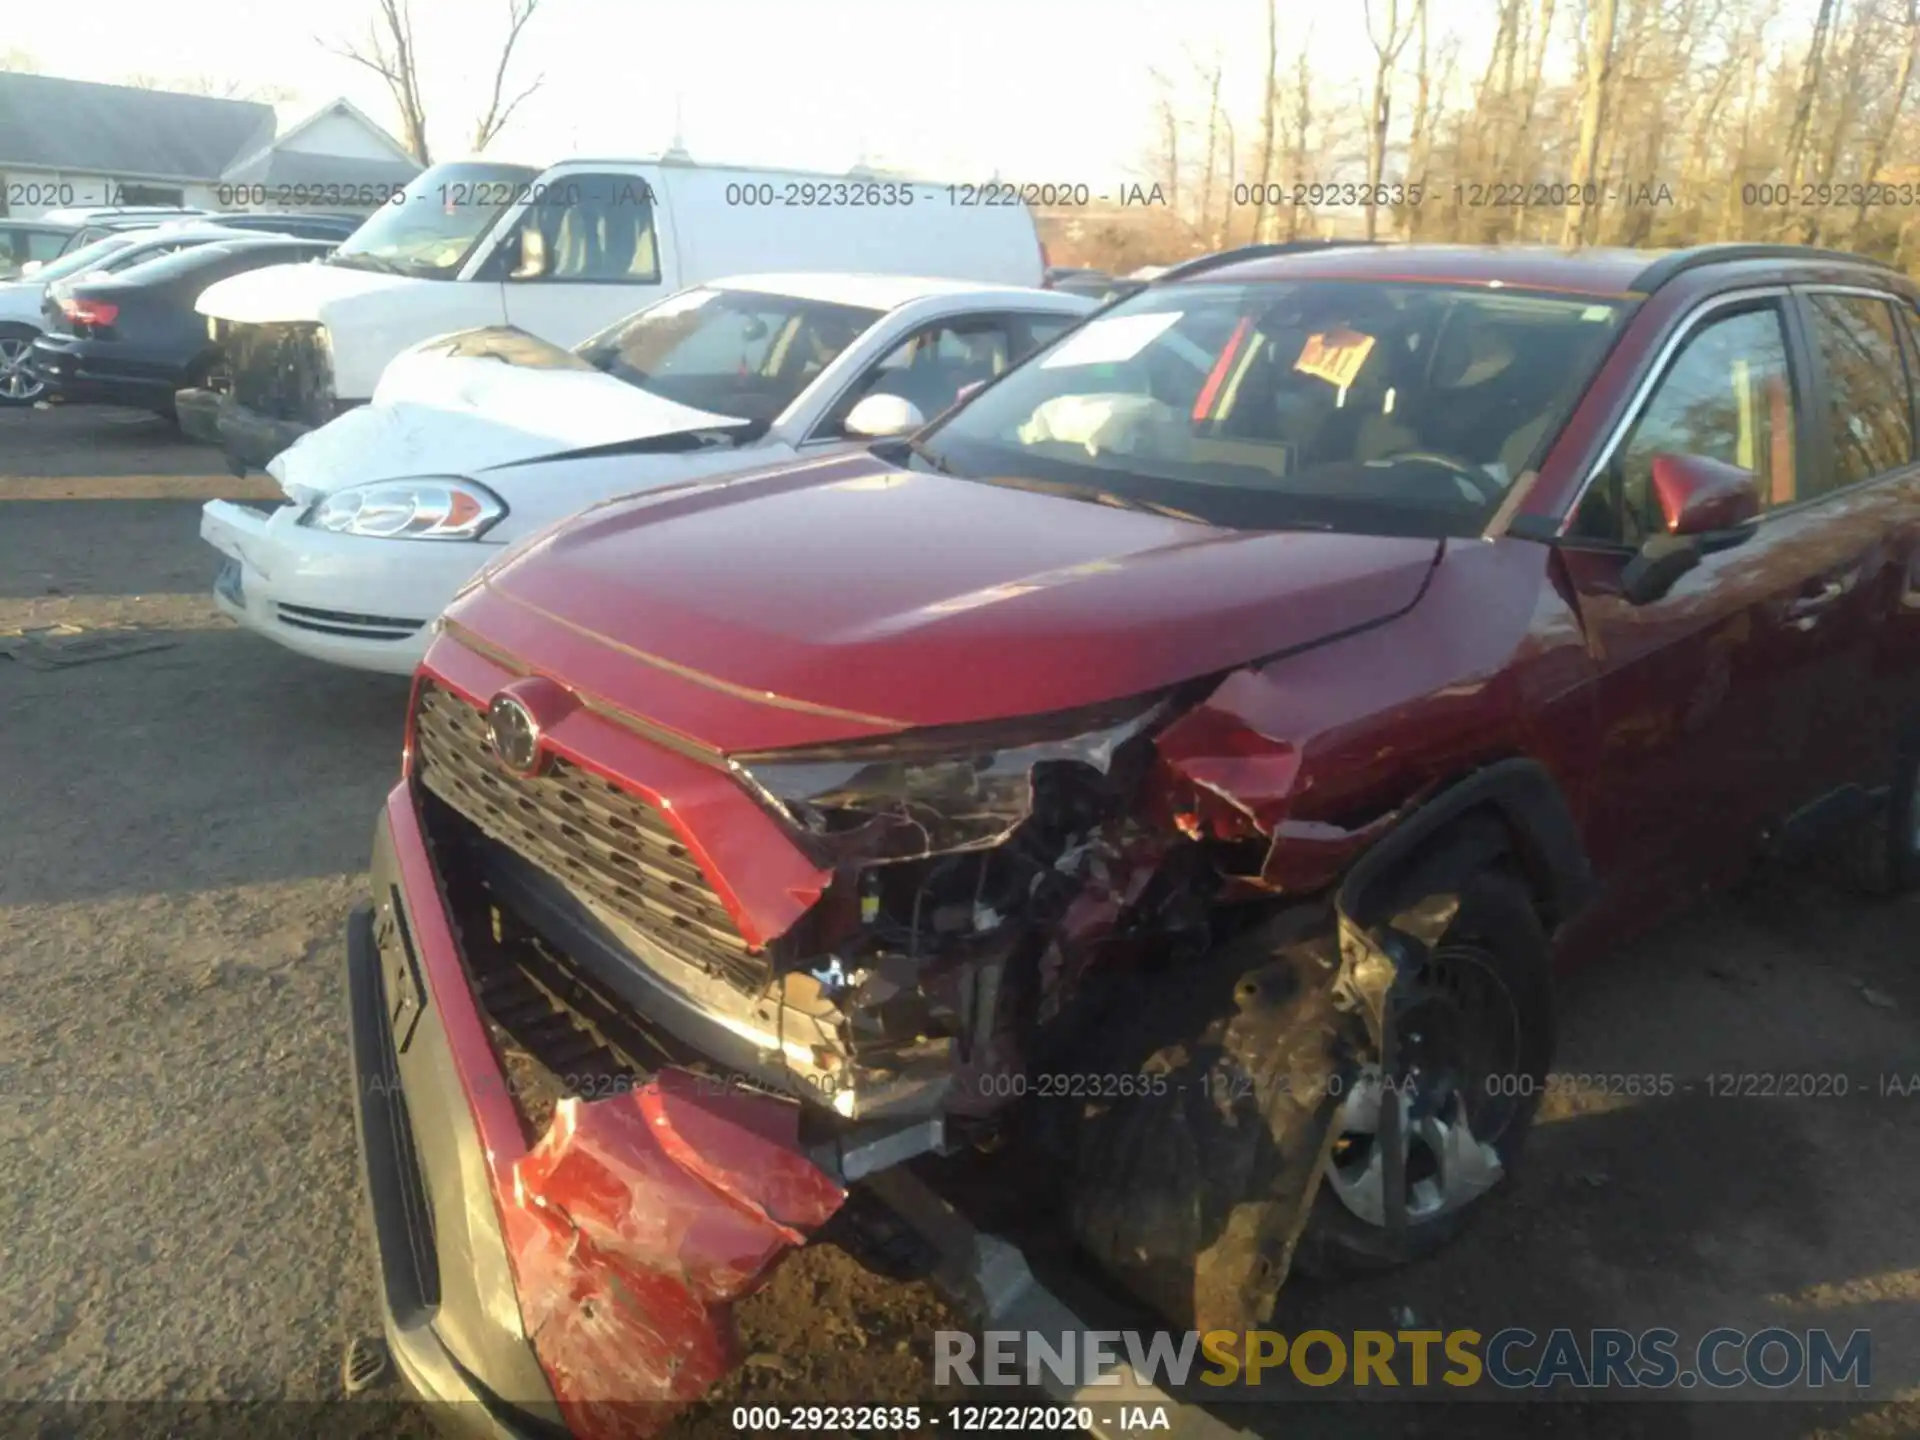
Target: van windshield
[[437, 222], [741, 353]]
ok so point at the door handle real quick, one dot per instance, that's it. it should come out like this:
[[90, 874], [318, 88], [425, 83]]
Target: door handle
[[1804, 613]]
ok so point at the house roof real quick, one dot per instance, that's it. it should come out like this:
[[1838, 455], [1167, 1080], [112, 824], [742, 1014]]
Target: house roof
[[274, 167], [49, 123]]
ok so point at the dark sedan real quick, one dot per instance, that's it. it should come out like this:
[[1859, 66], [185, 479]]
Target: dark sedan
[[135, 338]]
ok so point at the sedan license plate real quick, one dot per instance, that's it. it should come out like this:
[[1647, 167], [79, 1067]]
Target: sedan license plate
[[227, 583]]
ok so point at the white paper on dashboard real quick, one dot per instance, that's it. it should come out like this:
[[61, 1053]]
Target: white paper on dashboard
[[1103, 342]]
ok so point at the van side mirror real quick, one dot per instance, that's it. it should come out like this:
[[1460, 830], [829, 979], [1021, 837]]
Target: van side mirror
[[1707, 505], [32, 268], [878, 417]]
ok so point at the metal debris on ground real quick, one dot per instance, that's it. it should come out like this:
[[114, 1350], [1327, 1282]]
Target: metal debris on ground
[[53, 647], [364, 1364]]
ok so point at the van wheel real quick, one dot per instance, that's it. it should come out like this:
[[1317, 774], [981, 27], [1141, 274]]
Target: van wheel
[[1475, 1033], [20, 383], [1880, 855]]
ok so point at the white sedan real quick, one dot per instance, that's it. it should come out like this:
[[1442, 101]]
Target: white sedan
[[475, 440]]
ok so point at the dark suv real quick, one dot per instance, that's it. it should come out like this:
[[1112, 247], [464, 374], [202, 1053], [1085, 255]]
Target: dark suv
[[1171, 778]]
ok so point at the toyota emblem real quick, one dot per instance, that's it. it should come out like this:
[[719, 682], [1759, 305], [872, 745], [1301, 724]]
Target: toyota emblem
[[514, 735]]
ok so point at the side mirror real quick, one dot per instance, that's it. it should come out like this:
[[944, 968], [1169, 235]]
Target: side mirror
[[1706, 504], [1698, 496], [879, 417], [32, 268], [967, 392]]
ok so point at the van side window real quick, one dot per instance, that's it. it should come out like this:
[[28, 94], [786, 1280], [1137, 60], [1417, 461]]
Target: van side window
[[1869, 409], [597, 229], [1728, 395]]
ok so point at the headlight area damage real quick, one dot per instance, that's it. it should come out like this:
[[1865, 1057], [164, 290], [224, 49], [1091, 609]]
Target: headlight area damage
[[1102, 939]]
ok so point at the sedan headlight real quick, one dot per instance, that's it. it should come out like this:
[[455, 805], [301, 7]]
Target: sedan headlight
[[933, 793], [429, 509]]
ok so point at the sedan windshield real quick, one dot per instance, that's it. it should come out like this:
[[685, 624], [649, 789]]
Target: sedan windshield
[[1325, 404], [741, 353], [430, 230]]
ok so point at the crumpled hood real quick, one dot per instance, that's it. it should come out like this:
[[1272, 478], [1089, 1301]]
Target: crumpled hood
[[857, 597], [437, 413]]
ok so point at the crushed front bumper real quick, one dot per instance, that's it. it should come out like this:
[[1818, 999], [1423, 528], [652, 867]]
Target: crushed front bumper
[[249, 438], [580, 1280]]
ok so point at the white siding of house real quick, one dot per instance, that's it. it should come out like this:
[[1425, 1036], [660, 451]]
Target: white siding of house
[[338, 134]]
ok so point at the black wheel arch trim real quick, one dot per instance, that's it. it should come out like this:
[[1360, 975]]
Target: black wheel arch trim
[[1519, 792]]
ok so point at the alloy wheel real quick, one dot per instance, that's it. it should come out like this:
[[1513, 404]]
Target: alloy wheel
[[19, 381], [1458, 1029]]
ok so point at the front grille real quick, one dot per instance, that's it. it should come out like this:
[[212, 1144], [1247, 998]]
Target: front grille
[[612, 850], [281, 370], [348, 625]]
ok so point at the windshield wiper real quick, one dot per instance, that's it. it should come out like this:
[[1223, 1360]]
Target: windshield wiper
[[360, 260]]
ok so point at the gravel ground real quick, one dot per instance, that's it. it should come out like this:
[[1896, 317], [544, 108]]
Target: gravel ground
[[185, 830]]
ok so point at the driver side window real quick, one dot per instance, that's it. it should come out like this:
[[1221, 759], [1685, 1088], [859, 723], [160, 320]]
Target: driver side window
[[1728, 395]]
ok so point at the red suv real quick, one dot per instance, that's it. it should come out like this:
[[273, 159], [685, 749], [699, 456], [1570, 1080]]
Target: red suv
[[1172, 776]]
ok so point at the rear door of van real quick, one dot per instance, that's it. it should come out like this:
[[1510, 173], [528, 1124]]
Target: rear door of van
[[589, 245]]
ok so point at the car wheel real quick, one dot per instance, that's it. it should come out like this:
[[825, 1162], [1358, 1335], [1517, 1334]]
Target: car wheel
[[1475, 1031], [1880, 855], [20, 383]]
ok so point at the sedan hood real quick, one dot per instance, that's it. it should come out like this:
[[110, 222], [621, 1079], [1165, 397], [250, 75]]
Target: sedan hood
[[465, 404], [857, 597]]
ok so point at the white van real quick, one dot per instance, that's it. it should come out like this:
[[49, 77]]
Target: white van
[[561, 253]]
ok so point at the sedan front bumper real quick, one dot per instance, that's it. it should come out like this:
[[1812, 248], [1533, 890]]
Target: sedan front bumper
[[346, 599]]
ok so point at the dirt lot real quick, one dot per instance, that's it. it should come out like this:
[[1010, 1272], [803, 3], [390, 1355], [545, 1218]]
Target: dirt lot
[[185, 829]]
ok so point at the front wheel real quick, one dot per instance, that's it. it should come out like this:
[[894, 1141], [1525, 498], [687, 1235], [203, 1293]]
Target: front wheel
[[1474, 1022], [20, 382]]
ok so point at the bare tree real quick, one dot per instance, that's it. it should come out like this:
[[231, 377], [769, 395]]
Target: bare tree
[[1386, 53], [1269, 99], [390, 53], [1602, 15], [519, 12], [1810, 73], [1895, 107]]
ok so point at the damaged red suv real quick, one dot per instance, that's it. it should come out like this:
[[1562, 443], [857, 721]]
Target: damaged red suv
[[1185, 763]]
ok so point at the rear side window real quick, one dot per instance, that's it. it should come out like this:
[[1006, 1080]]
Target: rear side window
[[1869, 410], [1729, 396]]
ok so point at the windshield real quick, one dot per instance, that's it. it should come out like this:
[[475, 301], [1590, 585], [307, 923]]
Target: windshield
[[729, 352], [76, 261], [1327, 404], [430, 230]]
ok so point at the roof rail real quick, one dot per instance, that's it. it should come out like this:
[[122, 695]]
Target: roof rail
[[1200, 264], [1667, 267]]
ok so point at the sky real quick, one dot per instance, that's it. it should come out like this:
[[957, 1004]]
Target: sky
[[1045, 90]]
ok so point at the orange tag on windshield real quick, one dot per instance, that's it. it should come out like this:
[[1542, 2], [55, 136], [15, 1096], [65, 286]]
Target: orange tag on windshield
[[1335, 356]]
